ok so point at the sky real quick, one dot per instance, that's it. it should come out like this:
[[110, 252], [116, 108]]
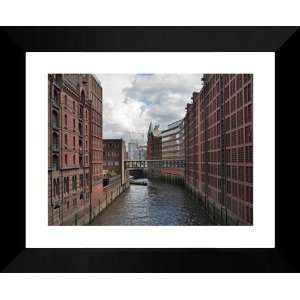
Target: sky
[[132, 101]]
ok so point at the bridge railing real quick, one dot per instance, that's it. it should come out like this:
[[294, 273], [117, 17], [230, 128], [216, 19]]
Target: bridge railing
[[164, 163]]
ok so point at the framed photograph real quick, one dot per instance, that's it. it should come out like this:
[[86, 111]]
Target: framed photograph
[[149, 149]]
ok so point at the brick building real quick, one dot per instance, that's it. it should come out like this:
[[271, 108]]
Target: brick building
[[191, 124], [154, 143], [114, 153], [219, 160], [74, 148], [173, 148]]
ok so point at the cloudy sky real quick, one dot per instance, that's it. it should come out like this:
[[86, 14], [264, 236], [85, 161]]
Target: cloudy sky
[[132, 101]]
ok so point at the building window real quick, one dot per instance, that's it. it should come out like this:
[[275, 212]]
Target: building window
[[74, 106], [55, 119], [66, 184], [82, 97], [74, 141], [55, 162], [66, 139], [66, 159], [55, 141], [66, 100], [74, 159], [74, 183], [56, 187], [74, 124], [249, 154], [248, 134], [248, 114], [81, 112], [81, 180], [56, 97], [66, 121]]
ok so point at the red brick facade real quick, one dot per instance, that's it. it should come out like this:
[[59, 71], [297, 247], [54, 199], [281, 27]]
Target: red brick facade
[[113, 157], [154, 144], [218, 136], [74, 148]]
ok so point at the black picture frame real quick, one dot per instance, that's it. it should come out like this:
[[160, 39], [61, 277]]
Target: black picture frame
[[16, 41]]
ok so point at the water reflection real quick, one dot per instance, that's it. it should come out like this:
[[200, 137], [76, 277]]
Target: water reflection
[[158, 203]]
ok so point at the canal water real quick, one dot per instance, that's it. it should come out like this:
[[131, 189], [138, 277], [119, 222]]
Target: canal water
[[157, 203]]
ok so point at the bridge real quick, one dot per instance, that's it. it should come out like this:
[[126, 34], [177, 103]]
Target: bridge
[[144, 164]]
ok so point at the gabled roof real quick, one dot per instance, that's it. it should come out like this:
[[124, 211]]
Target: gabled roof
[[150, 128], [155, 131]]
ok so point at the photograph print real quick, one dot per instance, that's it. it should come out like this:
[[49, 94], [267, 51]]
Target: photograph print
[[150, 149]]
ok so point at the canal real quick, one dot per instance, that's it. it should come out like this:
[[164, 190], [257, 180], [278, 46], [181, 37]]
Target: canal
[[158, 203]]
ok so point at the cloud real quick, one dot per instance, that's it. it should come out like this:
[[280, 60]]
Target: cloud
[[131, 101]]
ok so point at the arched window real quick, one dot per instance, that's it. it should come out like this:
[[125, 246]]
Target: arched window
[[55, 119], [55, 162], [55, 140], [66, 121]]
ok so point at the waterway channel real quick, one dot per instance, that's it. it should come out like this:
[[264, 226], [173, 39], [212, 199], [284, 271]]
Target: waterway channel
[[157, 203]]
